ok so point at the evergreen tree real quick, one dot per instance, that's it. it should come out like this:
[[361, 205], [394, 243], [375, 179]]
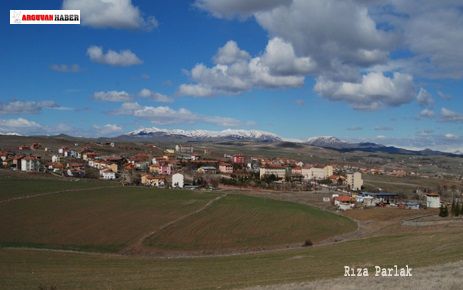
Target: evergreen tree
[[443, 211], [457, 209], [453, 208]]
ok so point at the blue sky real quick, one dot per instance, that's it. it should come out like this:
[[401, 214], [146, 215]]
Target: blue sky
[[387, 71]]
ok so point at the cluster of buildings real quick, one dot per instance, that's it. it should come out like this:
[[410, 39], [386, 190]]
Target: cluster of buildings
[[171, 167], [384, 199]]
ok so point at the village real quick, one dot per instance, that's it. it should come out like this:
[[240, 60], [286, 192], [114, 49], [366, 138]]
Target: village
[[188, 167]]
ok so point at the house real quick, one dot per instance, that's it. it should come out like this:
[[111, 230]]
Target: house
[[177, 180], [238, 159], [296, 170], [278, 171], [107, 174], [354, 181], [55, 159], [17, 162], [150, 180], [30, 163], [432, 200], [184, 149], [207, 170], [383, 197], [55, 167], [226, 168], [165, 168], [344, 202], [140, 160]]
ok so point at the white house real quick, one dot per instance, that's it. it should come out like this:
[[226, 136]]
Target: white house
[[55, 158], [30, 163], [317, 173], [432, 200], [107, 174], [177, 180], [279, 172]]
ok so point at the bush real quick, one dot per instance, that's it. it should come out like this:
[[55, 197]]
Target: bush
[[307, 243]]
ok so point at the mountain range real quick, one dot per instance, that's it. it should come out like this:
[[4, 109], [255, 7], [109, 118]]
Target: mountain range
[[230, 135]]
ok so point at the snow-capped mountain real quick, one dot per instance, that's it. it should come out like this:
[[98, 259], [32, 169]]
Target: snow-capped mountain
[[325, 141], [10, 134], [228, 134]]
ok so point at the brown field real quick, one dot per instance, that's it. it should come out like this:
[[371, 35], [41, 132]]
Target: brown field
[[27, 269]]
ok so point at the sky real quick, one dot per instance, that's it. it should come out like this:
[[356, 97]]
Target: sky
[[362, 70]]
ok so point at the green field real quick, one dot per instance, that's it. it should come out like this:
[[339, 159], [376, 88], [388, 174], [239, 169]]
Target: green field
[[245, 222], [110, 219], [27, 269], [12, 186], [406, 184], [97, 220]]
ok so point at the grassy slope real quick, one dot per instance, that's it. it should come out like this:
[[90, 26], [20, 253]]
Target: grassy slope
[[404, 184], [23, 269], [239, 222], [103, 219]]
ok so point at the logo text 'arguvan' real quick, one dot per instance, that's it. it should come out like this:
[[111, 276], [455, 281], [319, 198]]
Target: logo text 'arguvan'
[[44, 16]]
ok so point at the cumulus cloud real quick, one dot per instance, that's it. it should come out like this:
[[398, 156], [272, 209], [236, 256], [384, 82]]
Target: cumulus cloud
[[235, 71], [164, 115], [374, 91], [112, 96], [107, 129], [146, 93], [65, 68], [26, 107], [111, 57], [346, 49], [111, 14], [451, 116]]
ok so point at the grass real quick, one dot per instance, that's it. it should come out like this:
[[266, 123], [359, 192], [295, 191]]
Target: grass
[[405, 184], [245, 222], [97, 220], [13, 186], [26, 269]]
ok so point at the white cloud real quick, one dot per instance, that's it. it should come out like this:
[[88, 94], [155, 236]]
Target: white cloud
[[107, 129], [29, 107], [242, 8], [146, 93], [424, 98], [65, 68], [451, 116], [111, 14], [111, 57], [427, 113], [374, 91], [18, 123], [163, 115], [359, 43], [112, 96], [450, 136], [235, 71]]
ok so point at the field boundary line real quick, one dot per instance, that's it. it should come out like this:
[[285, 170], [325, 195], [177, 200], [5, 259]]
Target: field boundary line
[[52, 192]]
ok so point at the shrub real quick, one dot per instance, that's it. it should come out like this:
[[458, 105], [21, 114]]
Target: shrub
[[307, 243]]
